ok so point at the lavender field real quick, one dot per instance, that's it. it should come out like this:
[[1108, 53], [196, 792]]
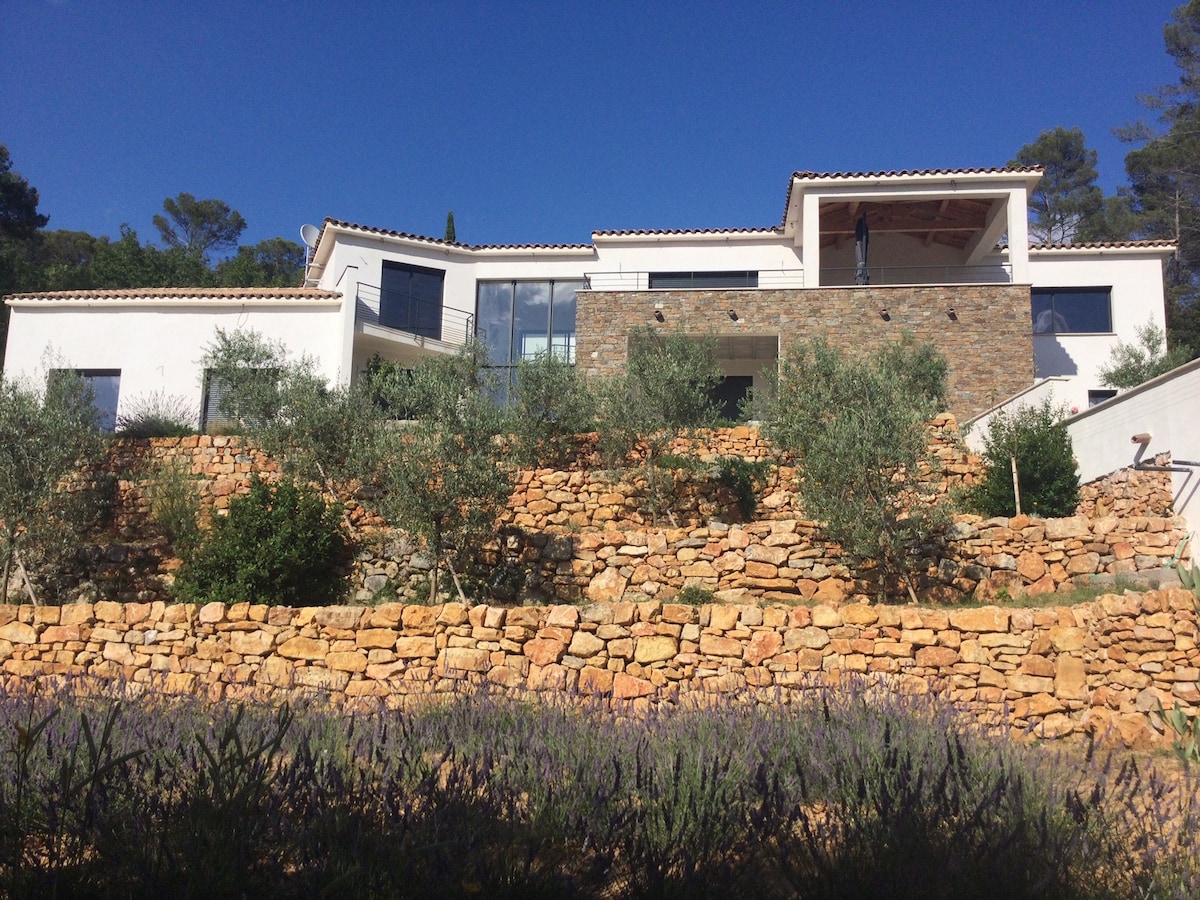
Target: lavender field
[[853, 792]]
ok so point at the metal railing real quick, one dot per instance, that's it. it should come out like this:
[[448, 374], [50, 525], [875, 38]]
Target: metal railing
[[412, 315], [768, 279], [913, 275]]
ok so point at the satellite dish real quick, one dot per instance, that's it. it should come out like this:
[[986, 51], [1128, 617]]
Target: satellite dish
[[309, 234]]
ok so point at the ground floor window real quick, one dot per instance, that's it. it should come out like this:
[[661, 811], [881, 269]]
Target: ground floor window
[[103, 387]]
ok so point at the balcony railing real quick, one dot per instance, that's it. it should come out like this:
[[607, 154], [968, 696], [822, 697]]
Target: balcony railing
[[911, 275], [768, 279], [412, 315]]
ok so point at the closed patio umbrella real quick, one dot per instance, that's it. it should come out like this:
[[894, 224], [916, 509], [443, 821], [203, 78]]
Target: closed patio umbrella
[[862, 237]]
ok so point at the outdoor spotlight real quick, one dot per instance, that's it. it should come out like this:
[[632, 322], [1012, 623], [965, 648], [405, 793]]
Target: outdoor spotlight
[[659, 316], [733, 315], [952, 314], [885, 315]]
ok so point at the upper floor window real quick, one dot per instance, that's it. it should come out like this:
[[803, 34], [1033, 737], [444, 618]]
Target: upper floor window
[[703, 280], [1072, 310], [410, 299]]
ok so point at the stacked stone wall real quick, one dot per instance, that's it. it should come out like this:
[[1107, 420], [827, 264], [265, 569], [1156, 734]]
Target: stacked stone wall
[[582, 534], [1098, 667]]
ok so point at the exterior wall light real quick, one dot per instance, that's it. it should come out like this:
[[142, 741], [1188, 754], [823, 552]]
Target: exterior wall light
[[952, 314], [885, 315], [733, 315], [659, 316]]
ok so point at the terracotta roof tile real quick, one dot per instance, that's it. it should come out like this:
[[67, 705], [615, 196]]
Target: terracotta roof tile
[[1101, 245], [630, 232], [900, 173], [387, 232], [185, 293]]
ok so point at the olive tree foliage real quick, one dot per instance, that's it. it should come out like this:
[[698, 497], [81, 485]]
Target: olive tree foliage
[[45, 437], [322, 434], [665, 391], [1047, 474], [856, 428], [446, 476], [551, 404], [1132, 364]]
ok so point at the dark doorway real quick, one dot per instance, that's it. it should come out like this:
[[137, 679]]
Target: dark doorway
[[729, 394]]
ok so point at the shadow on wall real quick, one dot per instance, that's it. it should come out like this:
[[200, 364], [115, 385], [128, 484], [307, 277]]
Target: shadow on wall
[[1050, 357]]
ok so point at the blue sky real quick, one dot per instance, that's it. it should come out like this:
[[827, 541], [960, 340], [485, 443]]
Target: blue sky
[[541, 122]]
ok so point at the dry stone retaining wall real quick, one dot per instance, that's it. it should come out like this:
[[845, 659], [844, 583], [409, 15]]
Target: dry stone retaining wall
[[1098, 667]]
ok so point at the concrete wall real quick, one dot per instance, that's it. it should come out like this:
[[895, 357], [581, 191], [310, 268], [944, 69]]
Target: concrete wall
[[1168, 409]]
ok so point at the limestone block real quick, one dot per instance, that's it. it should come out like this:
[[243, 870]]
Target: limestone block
[[347, 661], [464, 659], [714, 645], [626, 687], [377, 638], [654, 648], [415, 647], [251, 643], [18, 633], [984, 619], [1070, 679], [303, 648], [544, 651], [585, 645], [321, 679]]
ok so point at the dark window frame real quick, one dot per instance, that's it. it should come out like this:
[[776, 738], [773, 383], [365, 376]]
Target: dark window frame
[[1049, 319], [107, 418], [703, 280], [408, 309]]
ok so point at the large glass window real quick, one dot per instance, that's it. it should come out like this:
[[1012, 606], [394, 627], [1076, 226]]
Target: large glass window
[[104, 389], [703, 280], [1072, 310], [517, 320], [410, 299]]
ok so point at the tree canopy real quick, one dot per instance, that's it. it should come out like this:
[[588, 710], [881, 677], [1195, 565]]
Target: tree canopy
[[1067, 195], [201, 226]]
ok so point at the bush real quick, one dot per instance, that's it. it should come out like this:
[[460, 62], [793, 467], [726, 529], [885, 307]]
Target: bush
[[856, 427], [174, 505], [1046, 470], [280, 545], [157, 415], [552, 404]]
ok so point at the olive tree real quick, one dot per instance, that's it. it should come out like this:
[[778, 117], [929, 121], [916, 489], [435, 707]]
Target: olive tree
[[856, 429], [46, 436], [446, 476], [551, 404], [318, 433], [665, 391]]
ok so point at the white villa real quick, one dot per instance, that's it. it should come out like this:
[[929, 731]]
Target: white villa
[[857, 257]]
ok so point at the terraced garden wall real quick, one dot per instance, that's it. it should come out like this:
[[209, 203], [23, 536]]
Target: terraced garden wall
[[1097, 667], [581, 535]]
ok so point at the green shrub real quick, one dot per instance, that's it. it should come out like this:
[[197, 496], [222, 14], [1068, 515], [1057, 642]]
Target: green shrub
[[1046, 470], [694, 595], [279, 544], [157, 415], [743, 478], [174, 505]]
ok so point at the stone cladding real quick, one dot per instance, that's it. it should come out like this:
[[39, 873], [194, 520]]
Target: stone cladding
[[988, 342]]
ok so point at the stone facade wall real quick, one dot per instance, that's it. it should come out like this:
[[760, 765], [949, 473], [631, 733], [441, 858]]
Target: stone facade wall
[[1097, 667], [988, 343]]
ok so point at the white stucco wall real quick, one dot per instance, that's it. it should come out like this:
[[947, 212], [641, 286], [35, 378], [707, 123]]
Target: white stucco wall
[[1135, 278], [157, 345], [1168, 409]]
